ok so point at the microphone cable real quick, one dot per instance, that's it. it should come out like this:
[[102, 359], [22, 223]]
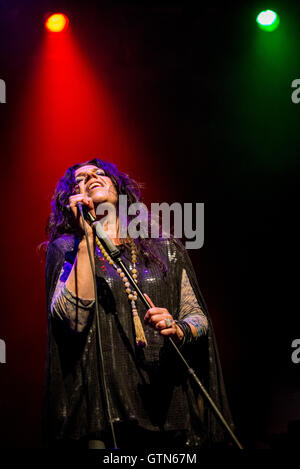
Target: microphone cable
[[100, 357]]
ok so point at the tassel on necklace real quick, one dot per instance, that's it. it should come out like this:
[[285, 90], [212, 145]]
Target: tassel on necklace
[[140, 338]]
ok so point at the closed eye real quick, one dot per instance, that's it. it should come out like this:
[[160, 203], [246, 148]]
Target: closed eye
[[98, 172]]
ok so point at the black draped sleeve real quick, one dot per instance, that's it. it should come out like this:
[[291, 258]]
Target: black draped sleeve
[[204, 357]]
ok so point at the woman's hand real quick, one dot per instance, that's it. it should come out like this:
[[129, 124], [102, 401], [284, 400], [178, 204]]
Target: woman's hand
[[85, 200], [156, 318]]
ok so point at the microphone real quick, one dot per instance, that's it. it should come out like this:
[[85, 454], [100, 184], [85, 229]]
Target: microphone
[[80, 206], [111, 248], [84, 212]]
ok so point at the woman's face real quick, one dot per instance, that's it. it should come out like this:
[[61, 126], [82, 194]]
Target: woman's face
[[91, 180]]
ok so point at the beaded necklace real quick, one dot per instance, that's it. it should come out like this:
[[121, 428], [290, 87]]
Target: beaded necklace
[[140, 338]]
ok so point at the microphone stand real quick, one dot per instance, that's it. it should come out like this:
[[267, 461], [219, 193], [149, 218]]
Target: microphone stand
[[115, 254]]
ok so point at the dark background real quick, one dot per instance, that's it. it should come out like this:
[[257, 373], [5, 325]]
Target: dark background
[[208, 97]]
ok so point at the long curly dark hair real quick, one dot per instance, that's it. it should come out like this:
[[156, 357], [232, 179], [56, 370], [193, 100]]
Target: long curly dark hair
[[61, 219]]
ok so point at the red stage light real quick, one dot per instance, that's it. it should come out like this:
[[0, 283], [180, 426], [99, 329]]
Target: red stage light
[[57, 23]]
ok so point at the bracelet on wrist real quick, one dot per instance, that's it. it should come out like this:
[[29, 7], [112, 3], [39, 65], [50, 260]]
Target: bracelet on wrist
[[187, 332]]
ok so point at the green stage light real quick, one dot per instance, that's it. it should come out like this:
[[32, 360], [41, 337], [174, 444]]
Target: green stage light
[[267, 20]]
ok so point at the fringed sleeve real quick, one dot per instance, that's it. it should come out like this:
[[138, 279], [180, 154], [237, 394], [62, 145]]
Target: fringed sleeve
[[190, 311], [71, 309]]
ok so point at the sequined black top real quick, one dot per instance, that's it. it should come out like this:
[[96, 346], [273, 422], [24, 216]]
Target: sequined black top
[[148, 386]]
